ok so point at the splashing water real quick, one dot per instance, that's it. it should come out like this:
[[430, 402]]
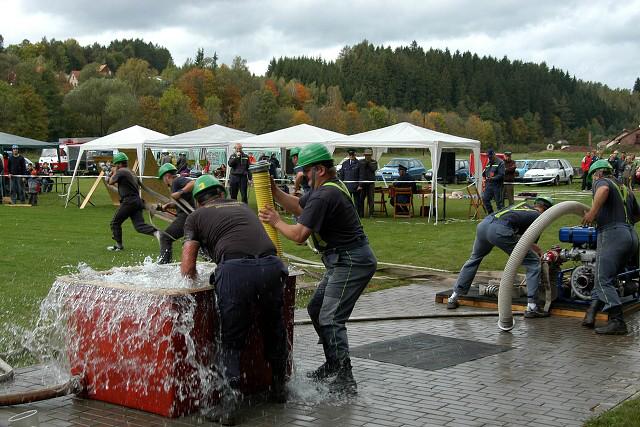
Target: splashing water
[[136, 333]]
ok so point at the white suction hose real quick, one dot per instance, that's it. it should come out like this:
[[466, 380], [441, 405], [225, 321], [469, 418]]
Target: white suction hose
[[505, 319]]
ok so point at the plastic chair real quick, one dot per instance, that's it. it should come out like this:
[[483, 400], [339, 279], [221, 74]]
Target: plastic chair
[[400, 213]]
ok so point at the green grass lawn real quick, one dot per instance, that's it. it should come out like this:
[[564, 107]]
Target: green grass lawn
[[625, 415]]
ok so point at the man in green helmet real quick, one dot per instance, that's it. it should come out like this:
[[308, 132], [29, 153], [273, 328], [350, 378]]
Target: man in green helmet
[[131, 205], [503, 229], [248, 276], [613, 211], [328, 215], [180, 192]]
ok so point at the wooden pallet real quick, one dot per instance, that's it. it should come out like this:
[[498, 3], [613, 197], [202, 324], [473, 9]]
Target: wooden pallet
[[565, 311]]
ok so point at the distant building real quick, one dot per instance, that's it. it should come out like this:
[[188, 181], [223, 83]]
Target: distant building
[[73, 78], [626, 138], [104, 70]]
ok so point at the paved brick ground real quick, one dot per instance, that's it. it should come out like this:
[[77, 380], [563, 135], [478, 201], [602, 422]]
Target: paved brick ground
[[558, 373]]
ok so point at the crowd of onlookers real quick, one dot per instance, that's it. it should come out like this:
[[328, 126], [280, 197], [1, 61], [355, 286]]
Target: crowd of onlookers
[[625, 167], [21, 180]]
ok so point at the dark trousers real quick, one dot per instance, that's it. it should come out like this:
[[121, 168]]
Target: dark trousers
[[366, 192], [584, 180], [348, 273], [239, 182], [130, 209], [492, 192], [33, 199], [244, 287], [173, 232], [17, 189]]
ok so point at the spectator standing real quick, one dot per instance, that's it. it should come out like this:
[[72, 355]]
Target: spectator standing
[[17, 166], [509, 177], [350, 175], [585, 164], [614, 161], [274, 165], [166, 157], [493, 174], [47, 183], [368, 168], [240, 176], [33, 186]]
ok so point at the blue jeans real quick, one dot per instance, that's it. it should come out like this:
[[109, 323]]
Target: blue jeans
[[17, 190], [492, 232], [617, 245], [348, 273], [493, 192]]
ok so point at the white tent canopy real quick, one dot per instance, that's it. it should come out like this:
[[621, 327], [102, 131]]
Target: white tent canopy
[[130, 138], [290, 137], [207, 137], [406, 135]]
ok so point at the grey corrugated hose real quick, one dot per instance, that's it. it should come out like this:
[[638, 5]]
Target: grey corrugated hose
[[505, 315]]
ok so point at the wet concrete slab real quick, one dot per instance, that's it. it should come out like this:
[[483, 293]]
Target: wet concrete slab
[[556, 373]]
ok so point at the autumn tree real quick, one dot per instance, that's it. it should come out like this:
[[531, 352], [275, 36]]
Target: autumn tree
[[258, 112], [138, 75], [151, 115], [176, 111]]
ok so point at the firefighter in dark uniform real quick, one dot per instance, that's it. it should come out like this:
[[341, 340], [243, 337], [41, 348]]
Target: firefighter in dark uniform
[[404, 181], [248, 275], [240, 175], [493, 174], [368, 168], [328, 215], [612, 210], [350, 172], [503, 229], [181, 192], [131, 205]]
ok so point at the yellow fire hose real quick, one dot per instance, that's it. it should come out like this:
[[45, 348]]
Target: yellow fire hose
[[264, 197]]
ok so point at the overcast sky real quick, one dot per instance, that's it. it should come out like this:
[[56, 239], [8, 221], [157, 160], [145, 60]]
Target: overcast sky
[[593, 40]]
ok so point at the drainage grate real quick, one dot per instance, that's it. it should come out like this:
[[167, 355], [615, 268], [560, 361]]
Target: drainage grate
[[427, 352]]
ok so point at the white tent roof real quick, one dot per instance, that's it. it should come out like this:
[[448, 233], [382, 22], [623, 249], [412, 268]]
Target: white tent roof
[[403, 135], [132, 137], [406, 135], [207, 137], [293, 136]]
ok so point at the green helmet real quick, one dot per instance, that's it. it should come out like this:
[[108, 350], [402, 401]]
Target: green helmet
[[294, 152], [204, 182], [545, 200], [166, 168], [599, 164], [119, 158], [313, 154]]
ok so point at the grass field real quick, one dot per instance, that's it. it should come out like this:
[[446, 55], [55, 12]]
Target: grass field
[[37, 244]]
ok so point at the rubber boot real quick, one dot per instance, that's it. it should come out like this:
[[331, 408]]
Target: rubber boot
[[344, 383], [324, 371], [226, 411], [616, 324], [589, 320]]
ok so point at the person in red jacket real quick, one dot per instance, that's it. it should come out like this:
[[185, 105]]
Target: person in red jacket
[[584, 165]]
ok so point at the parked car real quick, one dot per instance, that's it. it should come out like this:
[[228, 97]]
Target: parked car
[[462, 172], [389, 172], [522, 166], [553, 170]]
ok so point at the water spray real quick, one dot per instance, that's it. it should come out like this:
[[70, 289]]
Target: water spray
[[264, 197]]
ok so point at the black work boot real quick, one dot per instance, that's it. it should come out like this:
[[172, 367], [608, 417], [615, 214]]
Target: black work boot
[[344, 383], [326, 370], [226, 411], [589, 320], [616, 324]]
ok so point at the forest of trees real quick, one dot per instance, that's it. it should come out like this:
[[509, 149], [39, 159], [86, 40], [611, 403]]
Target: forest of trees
[[499, 102]]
